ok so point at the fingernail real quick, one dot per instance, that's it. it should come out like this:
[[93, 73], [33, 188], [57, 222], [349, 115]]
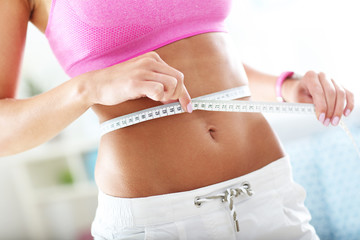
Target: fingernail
[[347, 112], [189, 108], [327, 122], [322, 117], [335, 121]]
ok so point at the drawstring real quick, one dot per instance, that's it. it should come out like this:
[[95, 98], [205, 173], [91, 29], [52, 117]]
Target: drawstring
[[228, 196]]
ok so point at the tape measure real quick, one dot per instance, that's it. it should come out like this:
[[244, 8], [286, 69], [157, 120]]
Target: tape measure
[[220, 101]]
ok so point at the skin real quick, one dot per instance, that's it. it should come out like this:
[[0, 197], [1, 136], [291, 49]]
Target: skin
[[166, 155]]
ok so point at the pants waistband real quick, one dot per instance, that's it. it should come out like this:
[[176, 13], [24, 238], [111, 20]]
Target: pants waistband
[[160, 209]]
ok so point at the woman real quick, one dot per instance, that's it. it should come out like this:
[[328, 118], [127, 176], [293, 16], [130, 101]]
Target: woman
[[201, 175]]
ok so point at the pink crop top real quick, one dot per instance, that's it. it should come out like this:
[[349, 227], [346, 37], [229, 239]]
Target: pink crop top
[[87, 35]]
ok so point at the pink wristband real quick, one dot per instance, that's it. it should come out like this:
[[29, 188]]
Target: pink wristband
[[279, 82]]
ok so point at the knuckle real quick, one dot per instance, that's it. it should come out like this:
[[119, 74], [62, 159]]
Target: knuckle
[[341, 93], [157, 91], [310, 74], [180, 76], [140, 74], [181, 79], [131, 85], [172, 83], [148, 54], [317, 89], [322, 75], [151, 75], [147, 61], [350, 104], [331, 92], [153, 54], [350, 95], [321, 106]]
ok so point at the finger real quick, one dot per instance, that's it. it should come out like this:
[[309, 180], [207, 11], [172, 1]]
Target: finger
[[153, 62], [314, 87], [302, 95], [151, 89], [340, 103], [178, 82], [170, 83], [148, 55], [163, 68], [177, 85], [185, 100], [349, 102], [179, 88], [180, 92], [157, 57], [330, 97]]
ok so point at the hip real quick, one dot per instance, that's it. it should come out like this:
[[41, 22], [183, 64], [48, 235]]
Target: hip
[[269, 203]]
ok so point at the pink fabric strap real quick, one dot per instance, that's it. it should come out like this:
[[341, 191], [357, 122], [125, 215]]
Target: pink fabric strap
[[279, 82]]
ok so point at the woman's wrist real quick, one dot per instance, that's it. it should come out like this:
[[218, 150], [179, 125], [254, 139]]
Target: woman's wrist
[[285, 86], [279, 85], [84, 90]]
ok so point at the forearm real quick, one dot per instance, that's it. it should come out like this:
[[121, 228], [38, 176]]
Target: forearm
[[30, 122], [262, 85]]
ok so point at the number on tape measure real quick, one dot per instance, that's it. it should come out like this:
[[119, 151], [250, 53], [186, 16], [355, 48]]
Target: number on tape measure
[[206, 105]]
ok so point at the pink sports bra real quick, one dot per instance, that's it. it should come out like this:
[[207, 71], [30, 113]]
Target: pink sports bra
[[87, 35]]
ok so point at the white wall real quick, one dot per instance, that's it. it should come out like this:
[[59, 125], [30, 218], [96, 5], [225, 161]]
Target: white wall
[[273, 36], [300, 35]]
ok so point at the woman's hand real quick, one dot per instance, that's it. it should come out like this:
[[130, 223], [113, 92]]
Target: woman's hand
[[328, 96], [143, 76]]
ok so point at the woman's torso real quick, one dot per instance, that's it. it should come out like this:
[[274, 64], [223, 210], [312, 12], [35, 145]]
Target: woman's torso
[[186, 151]]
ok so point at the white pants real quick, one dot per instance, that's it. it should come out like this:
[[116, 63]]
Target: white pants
[[275, 210]]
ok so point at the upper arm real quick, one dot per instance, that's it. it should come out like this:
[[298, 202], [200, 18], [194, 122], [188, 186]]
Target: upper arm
[[14, 17]]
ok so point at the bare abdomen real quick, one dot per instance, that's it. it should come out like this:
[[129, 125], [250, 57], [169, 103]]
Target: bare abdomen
[[186, 151]]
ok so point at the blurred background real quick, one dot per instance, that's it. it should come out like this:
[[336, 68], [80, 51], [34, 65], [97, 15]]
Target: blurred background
[[49, 192]]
